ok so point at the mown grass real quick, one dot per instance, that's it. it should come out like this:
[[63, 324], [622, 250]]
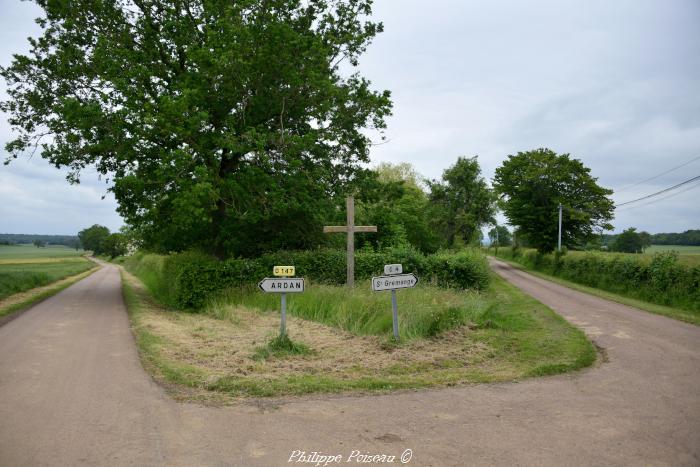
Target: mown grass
[[16, 278], [509, 336]]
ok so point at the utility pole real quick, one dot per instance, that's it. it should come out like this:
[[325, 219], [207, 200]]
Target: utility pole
[[496, 238], [559, 243]]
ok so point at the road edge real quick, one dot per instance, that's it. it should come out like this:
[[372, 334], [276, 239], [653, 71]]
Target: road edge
[[16, 310], [676, 314]]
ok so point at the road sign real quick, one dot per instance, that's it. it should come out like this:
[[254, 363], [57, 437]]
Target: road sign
[[390, 269], [280, 285], [284, 271], [399, 281]]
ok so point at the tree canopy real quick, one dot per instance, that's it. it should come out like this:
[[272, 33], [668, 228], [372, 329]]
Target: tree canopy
[[532, 184], [223, 125], [461, 202], [94, 237], [502, 238], [629, 241]]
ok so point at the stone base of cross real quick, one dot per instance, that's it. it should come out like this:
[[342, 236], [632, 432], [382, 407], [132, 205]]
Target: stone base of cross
[[350, 229]]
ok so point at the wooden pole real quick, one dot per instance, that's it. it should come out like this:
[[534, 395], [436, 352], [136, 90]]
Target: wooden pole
[[350, 209]]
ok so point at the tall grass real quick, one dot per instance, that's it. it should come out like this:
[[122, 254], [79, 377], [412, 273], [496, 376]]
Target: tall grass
[[15, 278], [424, 311]]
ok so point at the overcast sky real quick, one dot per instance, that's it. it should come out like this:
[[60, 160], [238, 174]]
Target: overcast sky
[[614, 83]]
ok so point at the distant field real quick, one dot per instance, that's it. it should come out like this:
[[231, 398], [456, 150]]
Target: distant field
[[11, 252], [681, 249], [24, 267]]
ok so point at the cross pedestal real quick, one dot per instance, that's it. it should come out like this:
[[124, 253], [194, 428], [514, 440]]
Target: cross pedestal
[[350, 229]]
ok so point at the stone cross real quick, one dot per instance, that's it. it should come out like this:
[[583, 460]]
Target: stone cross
[[351, 229]]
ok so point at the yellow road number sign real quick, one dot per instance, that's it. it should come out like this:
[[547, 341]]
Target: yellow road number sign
[[283, 271]]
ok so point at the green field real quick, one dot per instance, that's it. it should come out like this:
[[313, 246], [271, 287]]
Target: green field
[[681, 249], [24, 267], [11, 252]]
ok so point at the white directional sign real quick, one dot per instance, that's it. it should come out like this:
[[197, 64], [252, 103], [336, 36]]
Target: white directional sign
[[399, 281], [390, 269], [282, 285]]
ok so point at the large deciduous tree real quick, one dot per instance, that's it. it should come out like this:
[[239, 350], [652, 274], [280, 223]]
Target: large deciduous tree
[[531, 186], [93, 238], [224, 125], [462, 202], [629, 241]]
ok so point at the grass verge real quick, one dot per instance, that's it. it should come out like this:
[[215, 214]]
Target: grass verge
[[229, 352], [675, 313], [17, 303], [21, 275]]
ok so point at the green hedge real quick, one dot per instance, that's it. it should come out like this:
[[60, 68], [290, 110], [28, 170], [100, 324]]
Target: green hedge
[[186, 280], [657, 279]]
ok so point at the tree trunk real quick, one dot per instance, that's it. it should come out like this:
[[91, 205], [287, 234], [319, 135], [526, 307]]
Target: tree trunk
[[229, 164]]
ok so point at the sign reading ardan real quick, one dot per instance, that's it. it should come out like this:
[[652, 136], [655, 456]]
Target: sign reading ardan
[[289, 285]]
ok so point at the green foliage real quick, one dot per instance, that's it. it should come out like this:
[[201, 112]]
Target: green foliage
[[39, 243], [114, 245], [689, 237], [461, 202], [425, 311], [532, 184], [629, 241], [392, 199], [660, 279], [94, 238], [503, 238], [187, 280], [225, 126]]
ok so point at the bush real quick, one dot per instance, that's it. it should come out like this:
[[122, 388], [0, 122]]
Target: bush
[[187, 280]]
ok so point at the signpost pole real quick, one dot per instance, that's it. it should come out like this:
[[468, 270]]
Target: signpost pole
[[559, 238], [283, 323], [395, 312], [350, 208]]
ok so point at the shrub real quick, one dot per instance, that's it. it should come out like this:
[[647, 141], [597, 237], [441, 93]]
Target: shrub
[[187, 280]]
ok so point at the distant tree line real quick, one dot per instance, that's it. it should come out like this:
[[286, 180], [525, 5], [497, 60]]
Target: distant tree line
[[71, 241], [689, 237], [626, 242]]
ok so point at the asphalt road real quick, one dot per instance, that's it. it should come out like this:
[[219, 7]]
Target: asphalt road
[[72, 392]]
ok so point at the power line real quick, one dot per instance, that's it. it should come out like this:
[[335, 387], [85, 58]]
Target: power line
[[692, 187], [659, 192], [656, 176]]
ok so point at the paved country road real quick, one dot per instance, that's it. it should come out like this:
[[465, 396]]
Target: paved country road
[[72, 392]]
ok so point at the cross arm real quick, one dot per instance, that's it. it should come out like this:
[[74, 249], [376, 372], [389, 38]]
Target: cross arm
[[334, 228], [365, 228]]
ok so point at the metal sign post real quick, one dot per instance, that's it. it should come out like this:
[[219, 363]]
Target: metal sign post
[[282, 286], [394, 280], [283, 323], [395, 314]]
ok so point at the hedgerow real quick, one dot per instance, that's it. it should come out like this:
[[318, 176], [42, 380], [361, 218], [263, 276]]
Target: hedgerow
[[186, 280], [660, 279]]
